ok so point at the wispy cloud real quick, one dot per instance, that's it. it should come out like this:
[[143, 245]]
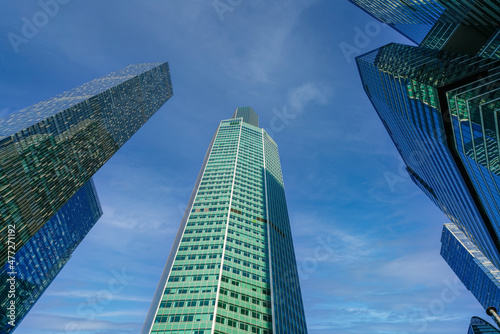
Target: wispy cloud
[[92, 294], [53, 323], [310, 92], [4, 112]]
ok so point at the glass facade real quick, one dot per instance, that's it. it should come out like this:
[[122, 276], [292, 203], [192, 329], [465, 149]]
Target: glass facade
[[474, 108], [475, 271], [442, 111], [48, 154], [440, 24], [232, 267], [479, 326], [491, 49], [50, 150], [412, 18], [40, 260], [408, 87], [440, 103]]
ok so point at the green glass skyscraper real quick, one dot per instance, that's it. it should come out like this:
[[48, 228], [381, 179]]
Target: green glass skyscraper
[[232, 267]]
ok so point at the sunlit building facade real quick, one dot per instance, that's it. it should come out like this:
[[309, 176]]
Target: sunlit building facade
[[232, 267]]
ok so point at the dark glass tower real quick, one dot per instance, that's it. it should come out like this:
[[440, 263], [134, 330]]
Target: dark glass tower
[[441, 110], [462, 26], [412, 88], [232, 267], [48, 154], [414, 19]]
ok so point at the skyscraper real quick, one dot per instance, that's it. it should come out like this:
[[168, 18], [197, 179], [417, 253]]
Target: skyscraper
[[475, 271], [439, 102], [462, 26], [479, 326], [232, 267], [39, 261], [48, 154], [410, 88], [50, 150]]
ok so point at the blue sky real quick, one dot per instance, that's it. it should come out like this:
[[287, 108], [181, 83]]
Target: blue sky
[[366, 238]]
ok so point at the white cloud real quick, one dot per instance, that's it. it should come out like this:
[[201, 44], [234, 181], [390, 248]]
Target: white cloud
[[310, 92], [421, 268]]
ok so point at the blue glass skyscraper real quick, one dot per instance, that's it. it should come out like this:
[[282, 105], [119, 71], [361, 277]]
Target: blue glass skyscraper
[[462, 26], [408, 87], [440, 102]]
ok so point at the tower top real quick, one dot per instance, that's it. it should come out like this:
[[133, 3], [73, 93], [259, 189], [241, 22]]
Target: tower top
[[248, 114]]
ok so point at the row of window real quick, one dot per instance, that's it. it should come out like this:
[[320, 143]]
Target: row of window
[[196, 267], [176, 291], [200, 247], [203, 230], [204, 202], [184, 317], [187, 303], [181, 331], [198, 256], [241, 325], [184, 278], [198, 215], [208, 223]]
